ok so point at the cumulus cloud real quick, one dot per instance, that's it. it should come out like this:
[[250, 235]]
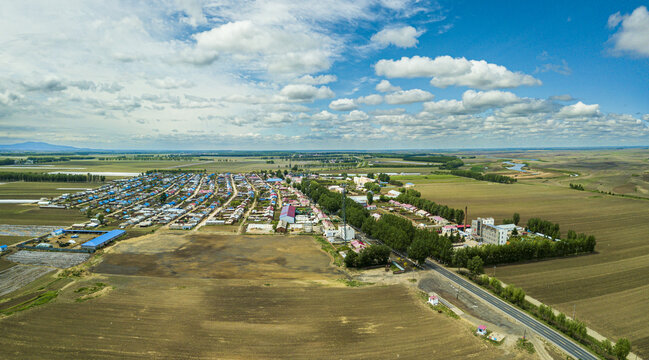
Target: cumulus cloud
[[408, 96], [385, 86], [304, 92], [317, 80], [473, 102], [171, 83], [632, 35], [578, 110], [447, 71], [343, 104], [283, 49], [374, 99], [324, 115], [356, 115], [403, 37]]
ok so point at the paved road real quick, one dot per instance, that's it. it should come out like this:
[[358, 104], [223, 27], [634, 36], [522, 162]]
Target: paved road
[[541, 329], [567, 345]]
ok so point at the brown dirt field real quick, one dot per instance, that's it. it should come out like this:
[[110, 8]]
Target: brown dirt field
[[148, 317], [610, 287], [220, 257], [234, 297]]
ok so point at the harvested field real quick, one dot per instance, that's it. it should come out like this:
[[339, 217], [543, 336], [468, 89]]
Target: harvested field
[[18, 276], [219, 256], [60, 260], [26, 230], [613, 278], [146, 317]]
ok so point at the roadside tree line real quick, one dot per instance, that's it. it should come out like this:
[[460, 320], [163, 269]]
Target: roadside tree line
[[571, 327]]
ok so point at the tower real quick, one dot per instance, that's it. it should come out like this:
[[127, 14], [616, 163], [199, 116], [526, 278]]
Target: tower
[[344, 233]]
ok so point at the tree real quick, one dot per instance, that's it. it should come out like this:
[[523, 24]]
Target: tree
[[351, 259], [419, 250], [370, 175], [100, 217], [475, 265], [370, 198], [288, 181], [622, 348], [163, 198], [517, 218]]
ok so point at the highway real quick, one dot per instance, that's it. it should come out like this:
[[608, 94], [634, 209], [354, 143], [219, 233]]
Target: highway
[[551, 335], [542, 330]]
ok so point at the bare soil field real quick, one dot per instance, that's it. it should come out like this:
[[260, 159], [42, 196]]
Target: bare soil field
[[203, 296], [610, 287], [219, 257], [146, 317], [18, 276]]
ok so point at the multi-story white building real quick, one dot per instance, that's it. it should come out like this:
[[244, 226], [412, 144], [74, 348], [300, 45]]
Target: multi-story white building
[[483, 229]]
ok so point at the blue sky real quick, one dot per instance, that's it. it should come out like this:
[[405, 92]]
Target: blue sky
[[328, 74]]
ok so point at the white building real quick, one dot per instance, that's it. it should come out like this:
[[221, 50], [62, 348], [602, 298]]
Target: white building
[[483, 229], [494, 234], [360, 181]]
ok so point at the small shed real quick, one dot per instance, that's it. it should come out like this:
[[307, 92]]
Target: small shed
[[433, 300], [482, 330]]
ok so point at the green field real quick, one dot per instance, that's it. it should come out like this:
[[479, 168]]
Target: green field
[[37, 190], [609, 288], [31, 214]]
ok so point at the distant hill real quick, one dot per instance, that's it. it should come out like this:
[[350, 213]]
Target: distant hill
[[35, 146]]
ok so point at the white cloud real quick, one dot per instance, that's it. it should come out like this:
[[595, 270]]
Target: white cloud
[[317, 80], [578, 110], [488, 99], [171, 83], [8, 98], [343, 104], [324, 115], [373, 99], [403, 37], [287, 48], [385, 86], [447, 71], [633, 35], [356, 115], [408, 96], [303, 92]]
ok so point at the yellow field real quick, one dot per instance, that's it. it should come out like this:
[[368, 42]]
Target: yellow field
[[610, 288]]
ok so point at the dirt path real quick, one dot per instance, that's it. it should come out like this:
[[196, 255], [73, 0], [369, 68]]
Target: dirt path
[[219, 209]]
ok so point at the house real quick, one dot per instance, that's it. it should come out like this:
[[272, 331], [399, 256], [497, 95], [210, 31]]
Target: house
[[433, 300], [3, 248], [393, 193], [281, 226], [408, 185], [288, 214], [360, 181], [482, 330]]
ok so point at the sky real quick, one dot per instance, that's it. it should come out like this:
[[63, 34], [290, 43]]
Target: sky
[[324, 74]]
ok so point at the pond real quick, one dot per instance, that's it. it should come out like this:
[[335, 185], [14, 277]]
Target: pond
[[515, 166]]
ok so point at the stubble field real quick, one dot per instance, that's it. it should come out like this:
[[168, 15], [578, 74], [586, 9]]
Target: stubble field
[[609, 288], [237, 297]]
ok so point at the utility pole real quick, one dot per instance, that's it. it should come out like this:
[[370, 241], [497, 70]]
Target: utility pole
[[344, 217], [574, 309], [494, 270]]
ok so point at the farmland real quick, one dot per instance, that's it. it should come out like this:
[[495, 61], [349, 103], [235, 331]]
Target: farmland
[[600, 285], [228, 296]]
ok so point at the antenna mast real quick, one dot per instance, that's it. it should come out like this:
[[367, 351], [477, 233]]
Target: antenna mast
[[344, 217]]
